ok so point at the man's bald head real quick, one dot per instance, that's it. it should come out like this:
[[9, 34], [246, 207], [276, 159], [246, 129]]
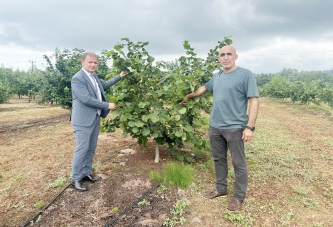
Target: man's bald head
[[227, 58], [228, 48]]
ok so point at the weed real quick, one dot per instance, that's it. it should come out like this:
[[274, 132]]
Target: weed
[[57, 183], [177, 213], [286, 218], [39, 205], [96, 165], [233, 217], [202, 166], [16, 178], [0, 175], [328, 192], [239, 218], [115, 209], [325, 157], [162, 188], [231, 173], [301, 190], [38, 220], [309, 203], [143, 202]]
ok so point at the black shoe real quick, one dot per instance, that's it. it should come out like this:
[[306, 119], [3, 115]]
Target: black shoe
[[77, 184], [91, 178]]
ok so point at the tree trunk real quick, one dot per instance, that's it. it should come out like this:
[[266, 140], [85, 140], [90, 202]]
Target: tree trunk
[[157, 154]]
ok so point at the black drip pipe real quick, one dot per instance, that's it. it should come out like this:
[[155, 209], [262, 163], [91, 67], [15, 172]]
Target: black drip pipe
[[44, 208], [131, 207], [30, 221]]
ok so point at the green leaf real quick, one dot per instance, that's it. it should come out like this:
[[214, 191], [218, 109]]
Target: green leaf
[[188, 128], [197, 122], [182, 110], [110, 53], [131, 123], [139, 124], [154, 118], [162, 120], [145, 118], [177, 117], [150, 59], [146, 132], [117, 47], [142, 104], [186, 45], [179, 133], [155, 134], [135, 130], [116, 112]]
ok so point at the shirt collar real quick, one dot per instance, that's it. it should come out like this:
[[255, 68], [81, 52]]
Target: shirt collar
[[88, 73]]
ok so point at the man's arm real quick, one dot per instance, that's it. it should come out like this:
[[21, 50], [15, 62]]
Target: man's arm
[[253, 112], [114, 80], [196, 93]]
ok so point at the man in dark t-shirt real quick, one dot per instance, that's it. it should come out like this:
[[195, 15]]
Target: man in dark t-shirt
[[230, 125]]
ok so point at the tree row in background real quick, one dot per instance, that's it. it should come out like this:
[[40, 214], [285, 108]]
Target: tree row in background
[[51, 85], [304, 87]]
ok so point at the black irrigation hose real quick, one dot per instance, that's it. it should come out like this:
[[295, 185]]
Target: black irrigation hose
[[120, 215], [131, 207], [44, 208]]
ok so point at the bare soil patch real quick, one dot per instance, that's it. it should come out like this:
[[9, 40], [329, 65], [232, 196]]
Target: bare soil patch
[[37, 144]]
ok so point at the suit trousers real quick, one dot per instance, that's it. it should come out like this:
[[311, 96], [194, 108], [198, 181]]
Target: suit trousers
[[86, 142], [220, 141]]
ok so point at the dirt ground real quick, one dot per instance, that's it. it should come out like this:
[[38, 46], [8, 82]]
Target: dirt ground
[[36, 148]]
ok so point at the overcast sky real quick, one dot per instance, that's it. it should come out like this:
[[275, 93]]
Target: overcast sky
[[269, 35]]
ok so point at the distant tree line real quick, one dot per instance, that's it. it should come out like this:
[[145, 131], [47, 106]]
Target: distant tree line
[[304, 87], [51, 85]]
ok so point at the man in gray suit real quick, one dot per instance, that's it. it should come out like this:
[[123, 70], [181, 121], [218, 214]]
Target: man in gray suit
[[88, 106]]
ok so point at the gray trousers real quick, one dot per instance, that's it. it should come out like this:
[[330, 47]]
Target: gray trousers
[[86, 142], [220, 141]]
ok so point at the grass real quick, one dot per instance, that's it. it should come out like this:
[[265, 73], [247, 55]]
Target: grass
[[176, 174], [301, 190], [58, 183], [39, 205], [280, 163], [289, 182]]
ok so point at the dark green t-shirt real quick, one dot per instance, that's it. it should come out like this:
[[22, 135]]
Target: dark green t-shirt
[[230, 97]]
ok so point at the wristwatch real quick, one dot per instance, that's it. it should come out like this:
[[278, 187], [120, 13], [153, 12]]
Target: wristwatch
[[251, 128]]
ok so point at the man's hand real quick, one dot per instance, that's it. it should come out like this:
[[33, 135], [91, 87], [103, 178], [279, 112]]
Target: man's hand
[[123, 73], [112, 106], [183, 102], [247, 135]]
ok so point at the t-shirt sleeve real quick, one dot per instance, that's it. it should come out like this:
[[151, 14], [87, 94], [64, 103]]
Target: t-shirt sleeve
[[252, 89], [209, 85]]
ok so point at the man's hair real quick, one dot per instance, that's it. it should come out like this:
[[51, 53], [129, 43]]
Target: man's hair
[[91, 54]]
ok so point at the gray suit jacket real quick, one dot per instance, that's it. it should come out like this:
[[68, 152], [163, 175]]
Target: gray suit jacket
[[84, 98]]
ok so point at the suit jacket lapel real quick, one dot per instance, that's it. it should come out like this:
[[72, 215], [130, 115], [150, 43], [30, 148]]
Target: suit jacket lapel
[[86, 77]]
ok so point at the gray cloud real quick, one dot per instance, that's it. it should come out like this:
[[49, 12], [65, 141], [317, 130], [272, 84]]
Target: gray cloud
[[254, 25]]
